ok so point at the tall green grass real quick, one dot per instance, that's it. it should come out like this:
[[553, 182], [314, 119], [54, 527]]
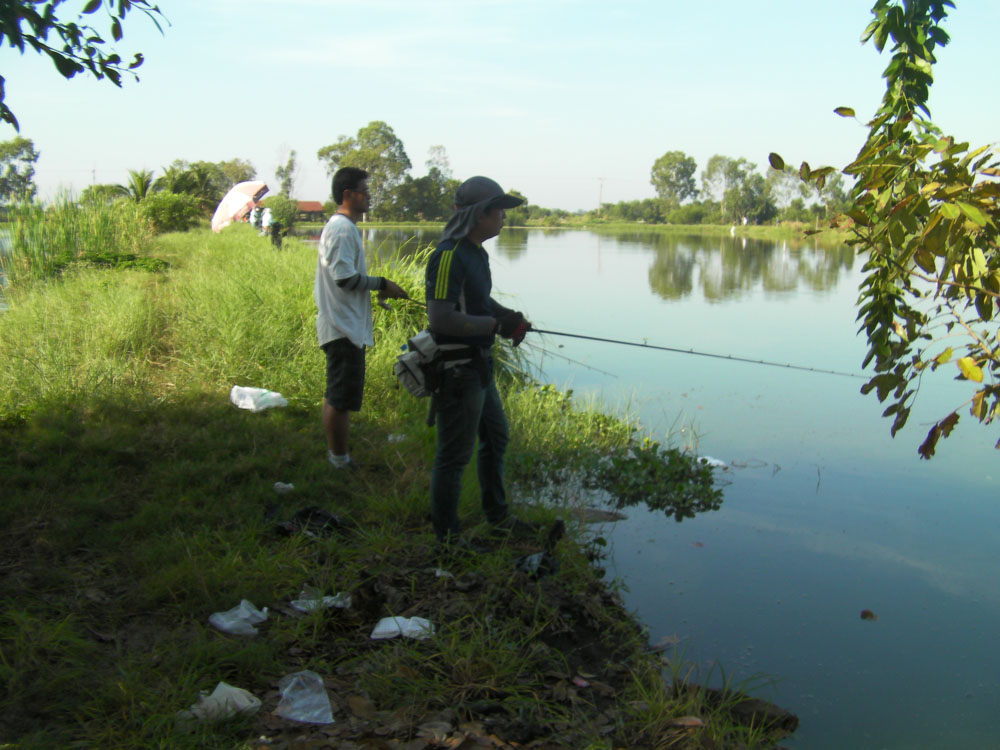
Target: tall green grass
[[43, 240], [137, 501]]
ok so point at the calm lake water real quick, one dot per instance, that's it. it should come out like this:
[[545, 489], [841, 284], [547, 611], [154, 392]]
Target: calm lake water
[[824, 514]]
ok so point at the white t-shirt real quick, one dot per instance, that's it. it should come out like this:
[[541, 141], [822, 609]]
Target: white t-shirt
[[342, 313]]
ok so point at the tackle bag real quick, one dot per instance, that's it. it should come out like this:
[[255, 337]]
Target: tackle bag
[[419, 368]]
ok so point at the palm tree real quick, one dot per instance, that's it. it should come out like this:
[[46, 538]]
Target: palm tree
[[140, 184], [175, 178]]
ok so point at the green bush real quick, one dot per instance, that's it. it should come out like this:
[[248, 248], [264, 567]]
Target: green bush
[[170, 212], [691, 213], [283, 209]]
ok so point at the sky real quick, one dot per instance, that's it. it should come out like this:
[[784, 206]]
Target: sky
[[568, 101]]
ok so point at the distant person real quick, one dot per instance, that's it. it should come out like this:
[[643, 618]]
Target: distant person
[[255, 217], [343, 300], [276, 234], [265, 221], [461, 310]]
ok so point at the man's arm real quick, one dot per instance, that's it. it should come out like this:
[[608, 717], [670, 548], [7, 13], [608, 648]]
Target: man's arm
[[499, 310], [360, 281], [444, 318]]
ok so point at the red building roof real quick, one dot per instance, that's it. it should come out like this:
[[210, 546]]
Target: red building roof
[[310, 206]]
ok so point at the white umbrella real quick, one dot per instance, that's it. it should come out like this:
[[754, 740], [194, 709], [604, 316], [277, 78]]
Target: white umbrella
[[237, 203]]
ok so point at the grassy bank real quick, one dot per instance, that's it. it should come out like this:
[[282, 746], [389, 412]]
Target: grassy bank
[[138, 501]]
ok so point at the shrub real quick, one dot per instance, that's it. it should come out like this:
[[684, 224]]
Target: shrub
[[170, 212], [283, 209]]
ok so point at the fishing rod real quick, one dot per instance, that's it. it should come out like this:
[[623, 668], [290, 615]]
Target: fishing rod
[[729, 357], [644, 345]]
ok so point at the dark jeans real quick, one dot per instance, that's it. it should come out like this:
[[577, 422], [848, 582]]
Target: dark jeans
[[463, 409]]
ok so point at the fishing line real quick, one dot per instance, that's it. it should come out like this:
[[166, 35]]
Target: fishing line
[[547, 353], [729, 357], [643, 345]]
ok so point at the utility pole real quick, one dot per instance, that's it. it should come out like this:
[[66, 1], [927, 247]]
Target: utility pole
[[600, 195]]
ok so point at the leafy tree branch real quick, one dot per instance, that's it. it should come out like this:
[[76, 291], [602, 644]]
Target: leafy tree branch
[[925, 214], [73, 46]]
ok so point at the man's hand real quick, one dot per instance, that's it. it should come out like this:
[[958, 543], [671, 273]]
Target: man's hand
[[393, 291], [513, 326]]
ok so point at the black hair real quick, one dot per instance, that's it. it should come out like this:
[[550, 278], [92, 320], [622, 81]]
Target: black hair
[[346, 178]]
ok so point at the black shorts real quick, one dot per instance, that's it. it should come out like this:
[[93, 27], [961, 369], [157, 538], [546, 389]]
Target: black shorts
[[345, 374]]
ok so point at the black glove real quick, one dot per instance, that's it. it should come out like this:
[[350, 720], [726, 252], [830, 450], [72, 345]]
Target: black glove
[[513, 326]]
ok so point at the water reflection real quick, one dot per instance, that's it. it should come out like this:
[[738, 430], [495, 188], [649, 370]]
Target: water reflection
[[512, 243], [725, 268], [720, 268]]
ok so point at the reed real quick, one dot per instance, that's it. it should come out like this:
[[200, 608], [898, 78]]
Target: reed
[[45, 240]]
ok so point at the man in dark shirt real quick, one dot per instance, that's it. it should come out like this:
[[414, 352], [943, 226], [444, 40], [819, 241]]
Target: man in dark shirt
[[466, 404]]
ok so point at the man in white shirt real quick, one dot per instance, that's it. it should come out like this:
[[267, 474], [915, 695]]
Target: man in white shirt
[[343, 300]]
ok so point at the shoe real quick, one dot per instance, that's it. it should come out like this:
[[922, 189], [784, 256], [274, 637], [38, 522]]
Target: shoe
[[350, 467], [514, 525]]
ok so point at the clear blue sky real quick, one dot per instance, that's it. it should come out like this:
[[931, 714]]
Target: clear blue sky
[[545, 96]]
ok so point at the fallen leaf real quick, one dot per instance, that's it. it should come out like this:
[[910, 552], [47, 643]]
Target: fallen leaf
[[690, 722], [362, 707]]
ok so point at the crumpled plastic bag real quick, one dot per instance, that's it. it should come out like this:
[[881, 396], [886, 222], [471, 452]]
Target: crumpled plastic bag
[[408, 627], [310, 599], [537, 565], [283, 488], [304, 698], [239, 620], [224, 702], [256, 399]]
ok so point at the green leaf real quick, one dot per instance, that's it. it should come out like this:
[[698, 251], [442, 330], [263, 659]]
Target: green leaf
[[944, 356], [92, 6], [970, 370], [926, 449], [871, 29], [116, 29], [925, 259], [776, 162], [948, 423], [67, 68], [979, 262], [804, 171], [976, 409], [950, 211], [844, 111], [984, 306], [972, 213], [897, 424]]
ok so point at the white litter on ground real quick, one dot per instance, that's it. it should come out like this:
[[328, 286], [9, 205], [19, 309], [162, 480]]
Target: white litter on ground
[[408, 627], [256, 399], [224, 702], [239, 620]]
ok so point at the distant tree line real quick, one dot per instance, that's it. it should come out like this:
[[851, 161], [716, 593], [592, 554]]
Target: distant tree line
[[732, 192]]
